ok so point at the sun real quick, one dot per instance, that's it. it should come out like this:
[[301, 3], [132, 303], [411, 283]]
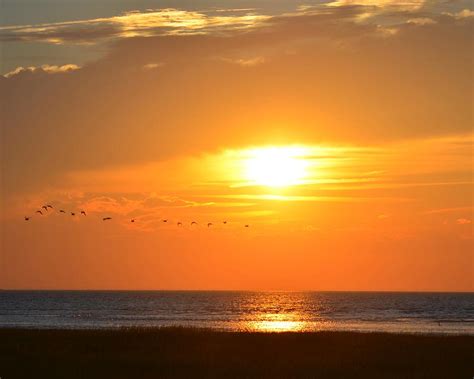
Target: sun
[[276, 166]]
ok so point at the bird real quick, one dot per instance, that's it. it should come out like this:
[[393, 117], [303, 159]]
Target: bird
[[41, 213], [209, 224], [132, 220], [45, 208], [179, 224], [83, 213], [247, 225], [62, 211], [49, 206], [106, 218], [165, 220], [194, 223], [224, 222], [73, 214], [26, 218]]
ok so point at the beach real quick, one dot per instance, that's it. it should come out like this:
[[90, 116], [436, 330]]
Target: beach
[[188, 352]]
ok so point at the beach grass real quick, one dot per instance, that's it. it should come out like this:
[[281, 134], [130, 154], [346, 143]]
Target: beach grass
[[197, 353]]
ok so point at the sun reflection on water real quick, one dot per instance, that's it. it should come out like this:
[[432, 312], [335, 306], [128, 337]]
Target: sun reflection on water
[[276, 322]]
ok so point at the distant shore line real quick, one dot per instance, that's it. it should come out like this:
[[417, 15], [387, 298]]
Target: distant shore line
[[220, 290]]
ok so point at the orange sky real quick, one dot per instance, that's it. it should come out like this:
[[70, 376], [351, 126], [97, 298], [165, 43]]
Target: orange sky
[[340, 133]]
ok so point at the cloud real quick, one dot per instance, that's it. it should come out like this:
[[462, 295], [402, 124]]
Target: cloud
[[250, 62], [400, 5], [450, 210], [47, 69], [421, 21], [465, 13], [152, 66], [132, 24], [324, 77], [171, 21]]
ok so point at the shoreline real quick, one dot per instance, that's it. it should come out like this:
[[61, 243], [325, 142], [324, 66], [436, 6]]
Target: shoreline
[[195, 352], [151, 329]]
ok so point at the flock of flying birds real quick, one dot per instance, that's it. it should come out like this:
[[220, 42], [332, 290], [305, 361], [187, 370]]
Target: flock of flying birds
[[47, 207]]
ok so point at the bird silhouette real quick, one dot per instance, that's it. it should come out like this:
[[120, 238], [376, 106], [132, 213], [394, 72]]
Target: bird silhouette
[[83, 213], [132, 220], [209, 224], [62, 211], [26, 218], [165, 220], [247, 225], [49, 206], [224, 222], [73, 214], [45, 208], [41, 213], [106, 218], [179, 224], [194, 223]]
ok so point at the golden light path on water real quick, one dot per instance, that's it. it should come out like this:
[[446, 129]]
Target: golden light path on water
[[276, 322]]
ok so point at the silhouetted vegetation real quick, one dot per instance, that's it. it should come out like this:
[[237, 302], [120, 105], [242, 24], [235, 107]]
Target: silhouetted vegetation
[[191, 353]]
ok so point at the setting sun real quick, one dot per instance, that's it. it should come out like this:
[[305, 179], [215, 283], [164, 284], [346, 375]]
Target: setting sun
[[276, 166]]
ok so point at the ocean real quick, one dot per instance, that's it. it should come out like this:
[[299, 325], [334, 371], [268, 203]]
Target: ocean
[[428, 313]]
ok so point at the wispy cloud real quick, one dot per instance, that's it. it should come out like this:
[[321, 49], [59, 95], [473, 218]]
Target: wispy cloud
[[400, 4], [249, 62], [47, 69], [291, 198], [450, 210], [152, 66], [131, 24], [463, 14], [421, 21]]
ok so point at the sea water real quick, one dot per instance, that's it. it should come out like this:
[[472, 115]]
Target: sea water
[[439, 313]]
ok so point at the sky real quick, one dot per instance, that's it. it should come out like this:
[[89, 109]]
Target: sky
[[256, 145]]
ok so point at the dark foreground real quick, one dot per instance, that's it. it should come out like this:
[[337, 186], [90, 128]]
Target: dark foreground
[[188, 353]]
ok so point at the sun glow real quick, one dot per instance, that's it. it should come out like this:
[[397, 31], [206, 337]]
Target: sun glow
[[276, 166], [277, 322]]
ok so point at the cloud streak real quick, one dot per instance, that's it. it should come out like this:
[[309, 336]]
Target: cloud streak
[[132, 24], [45, 69]]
